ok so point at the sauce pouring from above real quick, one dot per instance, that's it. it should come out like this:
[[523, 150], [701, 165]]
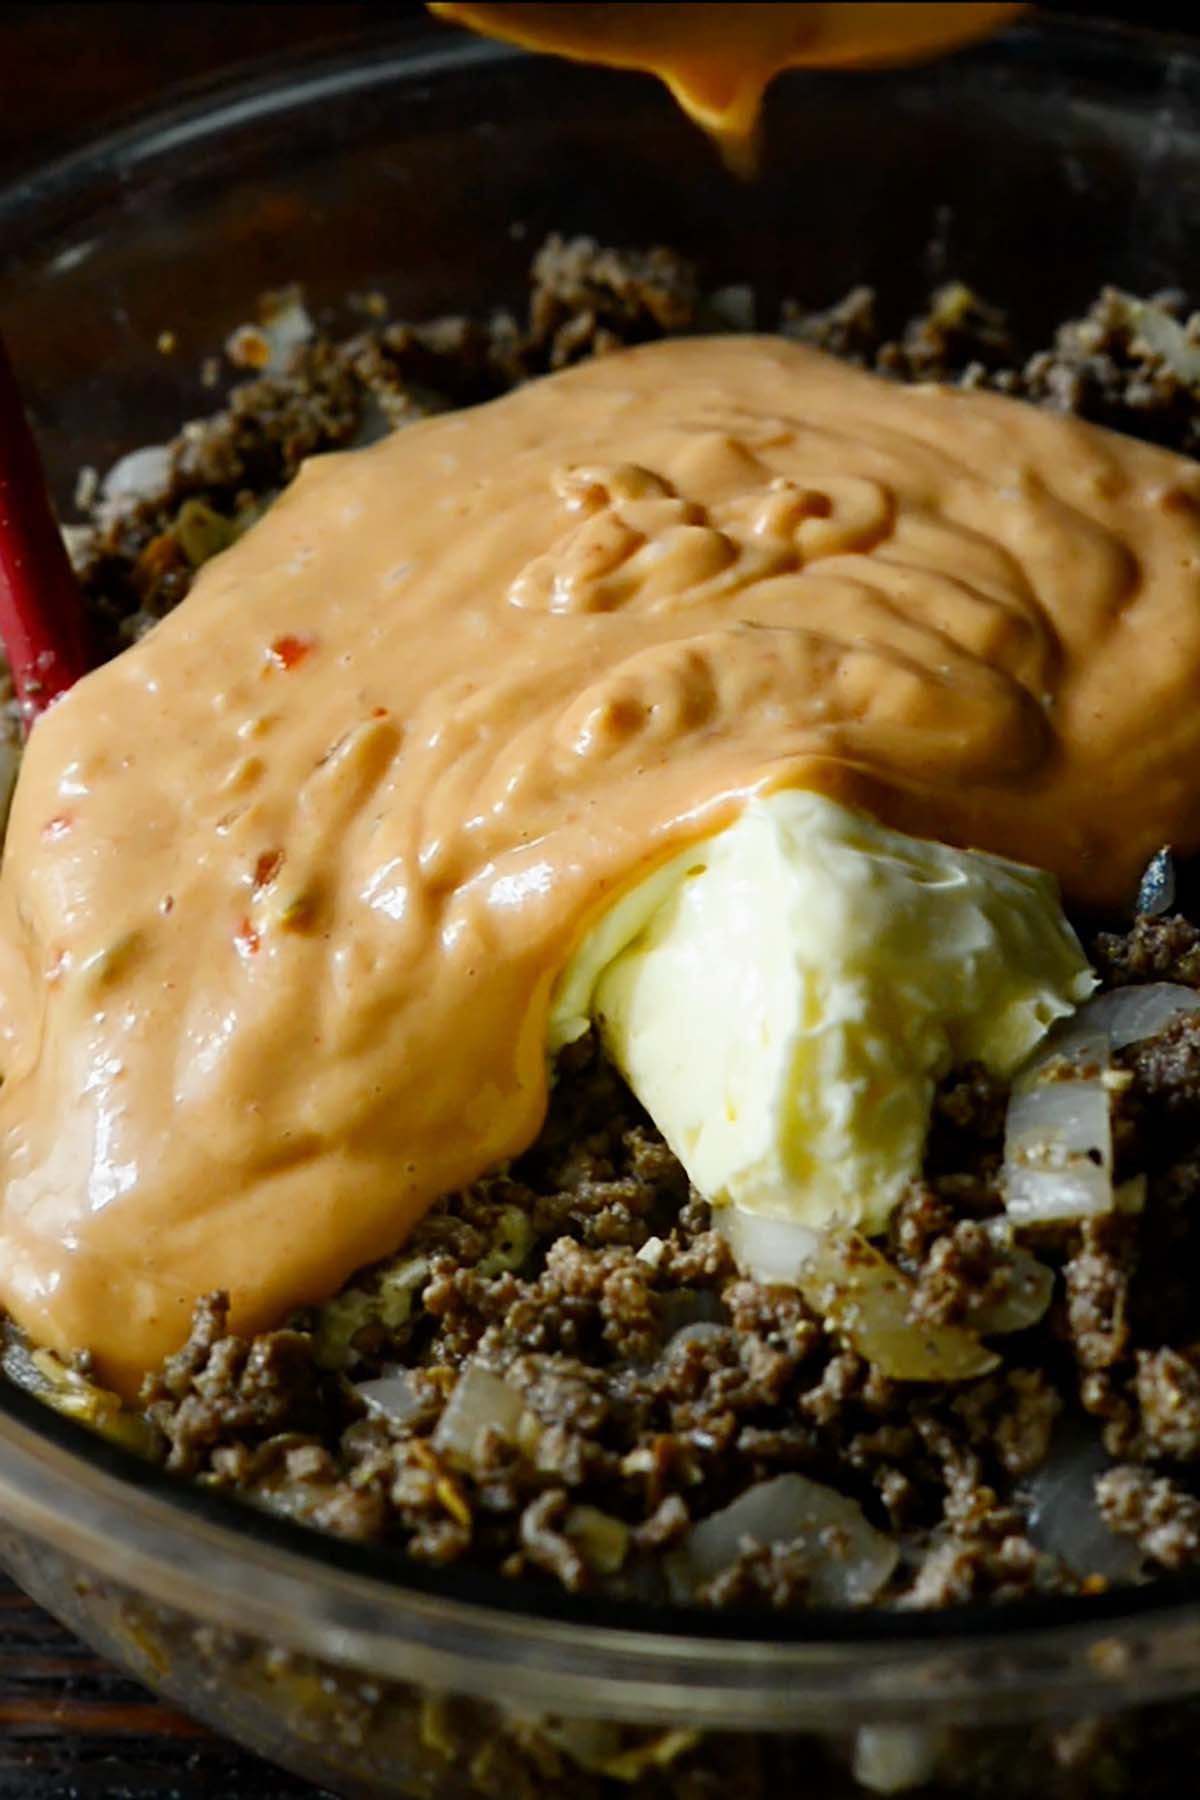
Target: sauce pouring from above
[[719, 60]]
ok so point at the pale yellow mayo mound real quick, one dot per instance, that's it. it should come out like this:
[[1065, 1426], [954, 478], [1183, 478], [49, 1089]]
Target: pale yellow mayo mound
[[288, 885], [783, 998]]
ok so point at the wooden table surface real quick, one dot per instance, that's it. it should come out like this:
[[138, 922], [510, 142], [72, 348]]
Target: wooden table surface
[[71, 1727]]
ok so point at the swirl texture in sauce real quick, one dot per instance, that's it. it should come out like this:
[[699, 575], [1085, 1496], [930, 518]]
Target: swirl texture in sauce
[[288, 884]]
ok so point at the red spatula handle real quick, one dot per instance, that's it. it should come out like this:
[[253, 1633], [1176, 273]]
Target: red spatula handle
[[41, 609]]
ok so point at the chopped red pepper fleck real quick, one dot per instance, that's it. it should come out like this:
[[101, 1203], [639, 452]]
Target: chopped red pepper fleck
[[266, 869], [57, 827], [289, 652], [247, 939]]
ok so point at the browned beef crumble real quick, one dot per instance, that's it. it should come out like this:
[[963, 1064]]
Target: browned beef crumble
[[658, 1383], [1161, 1515], [1154, 950]]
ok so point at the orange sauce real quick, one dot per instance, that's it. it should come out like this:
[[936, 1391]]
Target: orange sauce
[[288, 884], [718, 60]]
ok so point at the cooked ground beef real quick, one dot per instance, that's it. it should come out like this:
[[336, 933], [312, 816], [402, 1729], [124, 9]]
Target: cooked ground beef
[[1160, 1515], [1154, 950], [646, 1383]]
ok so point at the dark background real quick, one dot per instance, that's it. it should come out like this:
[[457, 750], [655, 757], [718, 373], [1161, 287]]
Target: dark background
[[71, 1728], [66, 69]]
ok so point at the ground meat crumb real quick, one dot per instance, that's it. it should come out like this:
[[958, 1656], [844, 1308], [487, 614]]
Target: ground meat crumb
[[219, 1385], [1152, 950], [965, 1271], [919, 1221], [958, 330], [1168, 1392], [1096, 1278], [587, 299], [966, 1126], [665, 1526], [962, 1570], [1015, 1414], [762, 1575], [1164, 1095], [849, 329], [545, 1544], [1161, 1517], [1101, 368]]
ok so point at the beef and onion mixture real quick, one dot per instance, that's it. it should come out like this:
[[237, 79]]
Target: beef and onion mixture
[[563, 1377]]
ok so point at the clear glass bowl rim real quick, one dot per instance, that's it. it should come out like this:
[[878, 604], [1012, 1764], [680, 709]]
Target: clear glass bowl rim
[[218, 1562]]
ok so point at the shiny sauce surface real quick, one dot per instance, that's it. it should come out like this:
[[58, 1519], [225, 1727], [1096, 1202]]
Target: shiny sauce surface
[[288, 884]]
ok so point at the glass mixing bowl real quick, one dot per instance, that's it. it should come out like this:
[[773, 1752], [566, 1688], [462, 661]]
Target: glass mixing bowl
[[1036, 167]]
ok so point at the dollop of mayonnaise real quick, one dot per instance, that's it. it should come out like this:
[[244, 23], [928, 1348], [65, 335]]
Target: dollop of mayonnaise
[[783, 997]]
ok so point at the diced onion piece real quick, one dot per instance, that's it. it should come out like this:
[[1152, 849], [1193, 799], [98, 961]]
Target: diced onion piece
[[1058, 1150], [143, 474], [285, 328], [386, 1304], [1166, 337], [1065, 1519], [1127, 1015], [859, 1293], [694, 1333], [479, 1401], [868, 1301], [202, 532], [851, 1561], [1058, 1133], [894, 1759], [392, 1396], [602, 1541], [772, 1250], [1024, 1301], [80, 541]]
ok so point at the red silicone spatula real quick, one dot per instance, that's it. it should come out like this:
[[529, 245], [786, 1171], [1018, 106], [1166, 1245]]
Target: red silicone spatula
[[41, 609]]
